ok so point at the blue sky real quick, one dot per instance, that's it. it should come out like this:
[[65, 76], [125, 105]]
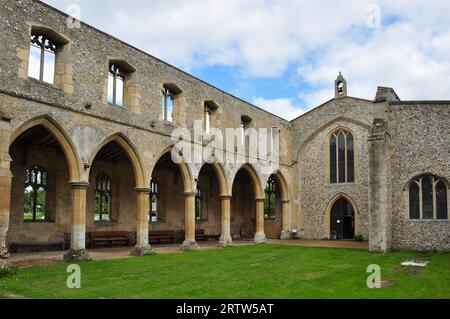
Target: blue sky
[[284, 55]]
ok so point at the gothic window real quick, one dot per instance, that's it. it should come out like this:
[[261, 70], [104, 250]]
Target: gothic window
[[153, 213], [42, 60], [35, 194], [198, 205], [102, 209], [342, 157], [414, 203], [116, 85], [270, 199], [168, 98], [441, 200], [245, 125], [428, 198]]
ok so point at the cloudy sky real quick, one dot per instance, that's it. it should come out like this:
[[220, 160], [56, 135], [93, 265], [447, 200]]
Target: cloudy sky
[[284, 55]]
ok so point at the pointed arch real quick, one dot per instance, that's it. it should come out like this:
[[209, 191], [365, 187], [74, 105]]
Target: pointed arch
[[64, 141], [132, 153], [311, 137], [330, 207], [256, 181], [225, 189], [283, 185], [188, 181]]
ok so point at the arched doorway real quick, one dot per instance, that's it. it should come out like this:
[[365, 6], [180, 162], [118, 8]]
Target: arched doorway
[[167, 199], [43, 164], [342, 220], [247, 206]]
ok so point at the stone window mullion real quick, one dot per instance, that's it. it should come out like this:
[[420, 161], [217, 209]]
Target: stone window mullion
[[420, 198]]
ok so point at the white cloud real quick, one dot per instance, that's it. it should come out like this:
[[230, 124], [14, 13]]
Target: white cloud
[[283, 107], [318, 38]]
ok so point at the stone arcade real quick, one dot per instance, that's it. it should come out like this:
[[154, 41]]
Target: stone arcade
[[85, 147]]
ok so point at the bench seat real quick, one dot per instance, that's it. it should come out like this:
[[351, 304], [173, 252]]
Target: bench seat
[[110, 238]]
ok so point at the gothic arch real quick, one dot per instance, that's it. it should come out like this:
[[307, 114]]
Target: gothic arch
[[256, 181], [132, 154], [324, 127], [186, 173], [283, 185], [222, 177], [61, 136], [330, 207]]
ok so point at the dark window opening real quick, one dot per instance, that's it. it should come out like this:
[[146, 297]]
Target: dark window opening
[[270, 200], [102, 209], [35, 194]]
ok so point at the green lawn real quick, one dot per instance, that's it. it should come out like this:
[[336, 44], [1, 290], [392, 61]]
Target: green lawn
[[264, 271]]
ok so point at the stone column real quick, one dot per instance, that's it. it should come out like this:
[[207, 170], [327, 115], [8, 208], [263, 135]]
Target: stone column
[[5, 188], [286, 231], [189, 243], [260, 236], [380, 232], [78, 250], [142, 246], [225, 239]]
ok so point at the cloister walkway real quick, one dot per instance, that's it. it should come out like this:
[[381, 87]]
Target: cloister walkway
[[44, 258]]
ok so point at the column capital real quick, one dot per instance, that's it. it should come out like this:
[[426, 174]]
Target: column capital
[[143, 190], [189, 194], [286, 201], [225, 197], [79, 185], [260, 199]]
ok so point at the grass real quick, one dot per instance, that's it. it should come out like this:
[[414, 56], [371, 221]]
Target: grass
[[264, 271]]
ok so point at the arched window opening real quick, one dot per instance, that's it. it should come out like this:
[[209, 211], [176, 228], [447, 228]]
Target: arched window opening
[[102, 210], [441, 200], [153, 212], [270, 199], [116, 85], [42, 59], [342, 157], [414, 202], [428, 198], [35, 194], [198, 205]]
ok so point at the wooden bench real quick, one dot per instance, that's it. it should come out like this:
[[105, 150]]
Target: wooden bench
[[201, 236], [110, 238], [36, 247], [162, 237]]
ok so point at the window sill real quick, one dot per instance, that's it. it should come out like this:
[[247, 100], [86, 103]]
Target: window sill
[[117, 106], [38, 222], [105, 223], [169, 123], [46, 84]]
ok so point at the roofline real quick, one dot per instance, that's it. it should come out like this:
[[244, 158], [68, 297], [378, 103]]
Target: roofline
[[161, 61], [312, 110], [416, 102]]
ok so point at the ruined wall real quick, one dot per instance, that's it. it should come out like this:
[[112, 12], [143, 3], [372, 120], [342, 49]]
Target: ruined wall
[[420, 145]]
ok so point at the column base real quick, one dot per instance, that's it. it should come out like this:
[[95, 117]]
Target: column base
[[225, 242], [285, 235], [4, 255], [139, 251], [189, 246], [260, 238], [77, 255]]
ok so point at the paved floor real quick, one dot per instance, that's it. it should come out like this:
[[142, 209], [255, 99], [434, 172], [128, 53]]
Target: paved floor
[[44, 258]]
